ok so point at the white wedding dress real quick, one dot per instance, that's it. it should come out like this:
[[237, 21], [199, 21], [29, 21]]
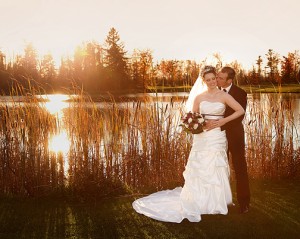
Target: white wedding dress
[[206, 189]]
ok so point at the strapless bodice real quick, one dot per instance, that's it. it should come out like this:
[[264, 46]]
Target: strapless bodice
[[212, 110]]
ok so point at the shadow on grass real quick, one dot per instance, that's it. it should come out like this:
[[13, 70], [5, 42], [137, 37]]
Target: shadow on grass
[[274, 214]]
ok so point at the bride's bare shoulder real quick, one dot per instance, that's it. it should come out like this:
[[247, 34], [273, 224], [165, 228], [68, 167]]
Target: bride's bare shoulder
[[199, 97]]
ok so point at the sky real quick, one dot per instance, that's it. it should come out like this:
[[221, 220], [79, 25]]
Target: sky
[[172, 29]]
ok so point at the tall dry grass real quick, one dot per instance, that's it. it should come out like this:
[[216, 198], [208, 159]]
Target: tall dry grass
[[272, 137], [131, 144], [26, 165], [123, 146]]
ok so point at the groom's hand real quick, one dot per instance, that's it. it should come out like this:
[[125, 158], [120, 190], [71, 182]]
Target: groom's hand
[[212, 124]]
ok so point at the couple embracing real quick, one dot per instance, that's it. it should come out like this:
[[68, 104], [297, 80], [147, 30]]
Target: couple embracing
[[206, 188]]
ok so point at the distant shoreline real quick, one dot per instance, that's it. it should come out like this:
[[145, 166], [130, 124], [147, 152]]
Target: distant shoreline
[[151, 92], [269, 88]]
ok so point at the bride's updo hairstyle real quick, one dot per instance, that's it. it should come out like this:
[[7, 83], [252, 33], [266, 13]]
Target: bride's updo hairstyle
[[208, 69]]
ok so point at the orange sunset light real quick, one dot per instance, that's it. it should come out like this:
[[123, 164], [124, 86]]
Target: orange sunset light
[[189, 29]]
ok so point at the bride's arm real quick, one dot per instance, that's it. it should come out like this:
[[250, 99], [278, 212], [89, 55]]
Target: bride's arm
[[196, 104], [233, 104]]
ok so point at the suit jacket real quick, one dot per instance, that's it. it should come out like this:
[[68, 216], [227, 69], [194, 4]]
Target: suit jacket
[[241, 97]]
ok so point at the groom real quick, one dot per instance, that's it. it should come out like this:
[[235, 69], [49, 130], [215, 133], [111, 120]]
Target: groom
[[235, 136]]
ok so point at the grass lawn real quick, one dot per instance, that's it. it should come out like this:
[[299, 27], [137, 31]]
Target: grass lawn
[[274, 214], [290, 88]]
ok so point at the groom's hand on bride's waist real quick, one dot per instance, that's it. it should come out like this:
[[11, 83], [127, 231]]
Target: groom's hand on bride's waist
[[212, 124], [209, 125]]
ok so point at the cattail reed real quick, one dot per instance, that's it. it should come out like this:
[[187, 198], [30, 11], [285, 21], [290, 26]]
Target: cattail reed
[[128, 145], [271, 137]]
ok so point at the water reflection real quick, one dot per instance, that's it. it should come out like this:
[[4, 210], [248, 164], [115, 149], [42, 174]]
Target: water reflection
[[59, 143], [55, 104], [279, 113]]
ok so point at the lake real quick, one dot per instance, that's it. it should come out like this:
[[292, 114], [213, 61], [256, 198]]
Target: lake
[[56, 104], [51, 141]]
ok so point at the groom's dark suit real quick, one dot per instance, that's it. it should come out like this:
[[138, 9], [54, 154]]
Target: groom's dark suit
[[236, 146]]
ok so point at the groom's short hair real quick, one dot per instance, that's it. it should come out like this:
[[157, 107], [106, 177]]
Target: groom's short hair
[[230, 72]]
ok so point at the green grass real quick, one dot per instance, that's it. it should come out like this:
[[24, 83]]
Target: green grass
[[274, 214], [290, 88]]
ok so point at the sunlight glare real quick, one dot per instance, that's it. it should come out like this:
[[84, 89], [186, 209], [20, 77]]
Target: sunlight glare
[[55, 104], [60, 143]]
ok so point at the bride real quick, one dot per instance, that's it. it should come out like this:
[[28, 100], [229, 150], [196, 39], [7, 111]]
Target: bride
[[206, 189]]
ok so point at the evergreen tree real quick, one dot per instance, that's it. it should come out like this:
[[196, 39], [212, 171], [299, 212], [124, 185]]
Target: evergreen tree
[[65, 73], [4, 75], [47, 71], [287, 68], [259, 62], [272, 64], [29, 62], [25, 68], [116, 62]]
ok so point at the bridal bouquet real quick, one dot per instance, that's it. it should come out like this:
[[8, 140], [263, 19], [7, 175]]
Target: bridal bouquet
[[192, 123]]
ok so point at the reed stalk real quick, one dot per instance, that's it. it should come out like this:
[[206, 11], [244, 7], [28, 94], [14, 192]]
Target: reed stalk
[[126, 146]]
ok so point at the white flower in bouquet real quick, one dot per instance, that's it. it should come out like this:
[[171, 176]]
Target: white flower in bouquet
[[200, 120], [192, 123]]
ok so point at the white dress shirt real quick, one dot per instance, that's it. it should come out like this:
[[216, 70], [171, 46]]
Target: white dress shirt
[[227, 88]]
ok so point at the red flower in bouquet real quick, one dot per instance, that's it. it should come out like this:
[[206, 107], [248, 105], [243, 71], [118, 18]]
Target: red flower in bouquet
[[193, 123]]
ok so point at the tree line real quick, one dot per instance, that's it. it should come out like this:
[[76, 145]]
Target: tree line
[[98, 68]]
